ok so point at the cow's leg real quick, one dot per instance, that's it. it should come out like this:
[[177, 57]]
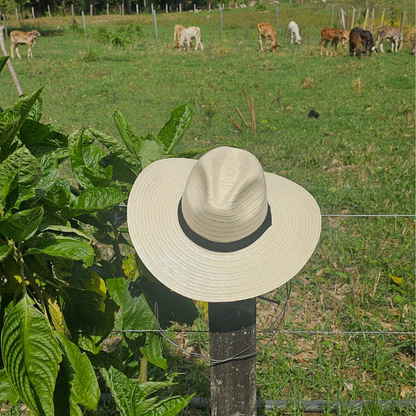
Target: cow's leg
[[260, 44], [291, 37], [11, 51], [17, 52], [29, 52], [336, 48], [322, 46], [326, 47]]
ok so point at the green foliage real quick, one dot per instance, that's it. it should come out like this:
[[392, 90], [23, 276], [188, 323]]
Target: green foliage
[[121, 36], [60, 294]]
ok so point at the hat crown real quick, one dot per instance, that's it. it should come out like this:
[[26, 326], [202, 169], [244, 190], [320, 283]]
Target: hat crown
[[225, 196]]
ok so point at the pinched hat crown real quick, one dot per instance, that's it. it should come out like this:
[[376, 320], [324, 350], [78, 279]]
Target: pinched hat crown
[[225, 196]]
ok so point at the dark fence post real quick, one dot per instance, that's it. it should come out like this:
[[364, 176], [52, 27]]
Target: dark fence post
[[232, 327]]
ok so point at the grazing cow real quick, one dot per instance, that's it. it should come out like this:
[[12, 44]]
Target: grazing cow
[[186, 36], [23, 38], [345, 38], [330, 35], [267, 32], [177, 33], [367, 41], [392, 35], [294, 31]]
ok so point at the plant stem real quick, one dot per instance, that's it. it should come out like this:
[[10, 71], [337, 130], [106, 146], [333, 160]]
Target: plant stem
[[143, 370]]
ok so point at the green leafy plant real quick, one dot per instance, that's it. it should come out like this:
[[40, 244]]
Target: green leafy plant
[[60, 296]]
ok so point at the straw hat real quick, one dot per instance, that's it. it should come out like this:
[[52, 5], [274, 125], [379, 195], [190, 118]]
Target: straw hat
[[220, 229]]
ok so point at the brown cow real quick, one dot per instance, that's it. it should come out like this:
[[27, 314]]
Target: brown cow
[[267, 31], [330, 35], [355, 43], [21, 38]]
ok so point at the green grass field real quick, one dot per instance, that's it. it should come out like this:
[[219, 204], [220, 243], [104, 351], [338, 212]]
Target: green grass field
[[357, 157]]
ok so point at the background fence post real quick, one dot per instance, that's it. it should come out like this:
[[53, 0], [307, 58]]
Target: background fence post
[[180, 7], [91, 9], [332, 15], [166, 6], [33, 12], [49, 10], [5, 27], [137, 9], [402, 26], [365, 18], [83, 23], [277, 19], [373, 12], [154, 18], [232, 328], [382, 18], [221, 20], [353, 18], [72, 10]]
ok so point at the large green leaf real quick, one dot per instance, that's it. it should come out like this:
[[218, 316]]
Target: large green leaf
[[138, 315], [9, 124], [168, 407], [126, 132], [81, 310], [31, 355], [175, 128], [7, 391], [118, 149], [41, 138], [51, 173], [5, 251], [150, 151], [62, 247], [86, 162], [95, 199], [23, 225], [80, 376], [22, 161], [58, 196], [116, 287]]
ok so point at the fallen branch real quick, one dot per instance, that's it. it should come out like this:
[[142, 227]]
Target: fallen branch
[[9, 64], [235, 123], [241, 116]]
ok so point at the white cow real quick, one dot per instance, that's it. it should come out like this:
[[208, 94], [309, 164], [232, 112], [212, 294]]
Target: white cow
[[294, 31], [186, 36]]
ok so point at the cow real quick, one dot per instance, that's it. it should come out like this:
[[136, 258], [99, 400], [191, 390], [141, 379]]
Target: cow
[[23, 38], [267, 32], [177, 33], [367, 41], [328, 34], [392, 35], [345, 38], [355, 43], [186, 36], [294, 32]]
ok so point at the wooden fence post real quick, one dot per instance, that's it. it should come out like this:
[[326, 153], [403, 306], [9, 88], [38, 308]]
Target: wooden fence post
[[154, 18], [277, 19], [72, 10], [332, 15], [402, 26], [5, 27], [91, 9], [353, 18], [372, 19], [180, 7], [9, 63], [221, 20], [382, 18], [33, 12], [49, 10], [167, 10], [365, 18], [232, 328]]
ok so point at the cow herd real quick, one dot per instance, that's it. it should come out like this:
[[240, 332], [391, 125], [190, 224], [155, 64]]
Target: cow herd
[[360, 41]]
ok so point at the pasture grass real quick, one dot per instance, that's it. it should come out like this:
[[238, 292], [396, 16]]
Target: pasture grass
[[357, 157]]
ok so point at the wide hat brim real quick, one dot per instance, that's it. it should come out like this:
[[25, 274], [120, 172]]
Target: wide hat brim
[[201, 274]]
